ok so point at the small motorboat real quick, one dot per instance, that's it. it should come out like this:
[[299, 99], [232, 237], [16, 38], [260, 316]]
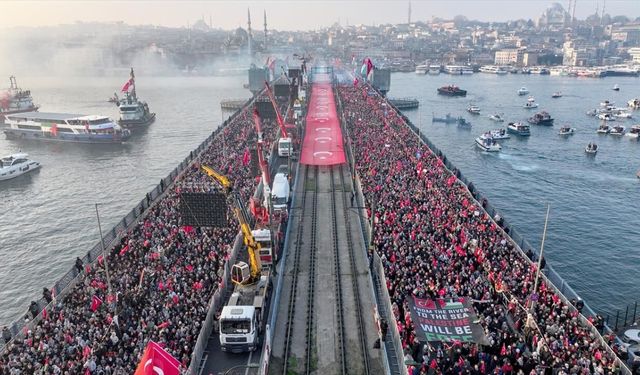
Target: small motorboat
[[617, 130], [16, 165], [593, 112], [606, 117], [634, 103], [606, 103], [565, 130], [485, 142], [622, 114], [556, 95], [634, 132], [603, 129], [523, 91], [616, 87], [541, 118], [462, 123], [473, 109], [591, 149], [531, 103], [518, 129], [499, 134], [496, 117]]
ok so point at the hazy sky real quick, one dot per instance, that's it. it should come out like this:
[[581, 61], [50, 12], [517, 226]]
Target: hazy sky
[[286, 15]]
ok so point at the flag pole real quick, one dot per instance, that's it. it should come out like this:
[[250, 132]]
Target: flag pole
[[535, 285], [104, 256]]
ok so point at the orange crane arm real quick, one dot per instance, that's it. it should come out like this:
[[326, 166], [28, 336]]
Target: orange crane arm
[[279, 119]]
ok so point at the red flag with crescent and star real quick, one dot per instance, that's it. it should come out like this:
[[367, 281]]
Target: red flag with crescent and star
[[156, 361]]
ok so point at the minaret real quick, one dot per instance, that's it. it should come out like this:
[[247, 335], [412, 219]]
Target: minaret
[[249, 30], [265, 30], [409, 18]]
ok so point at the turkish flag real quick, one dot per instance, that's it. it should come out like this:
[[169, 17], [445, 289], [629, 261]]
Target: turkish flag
[[156, 360], [125, 87], [95, 303]]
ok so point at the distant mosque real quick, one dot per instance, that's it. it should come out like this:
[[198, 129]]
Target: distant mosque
[[554, 16], [242, 39]]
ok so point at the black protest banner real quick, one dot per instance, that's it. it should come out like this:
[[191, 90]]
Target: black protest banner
[[443, 320]]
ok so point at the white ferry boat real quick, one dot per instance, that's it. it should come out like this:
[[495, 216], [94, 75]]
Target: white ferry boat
[[64, 127], [518, 128], [434, 70], [16, 165], [494, 69], [15, 100], [422, 69], [485, 142], [133, 112], [458, 70]]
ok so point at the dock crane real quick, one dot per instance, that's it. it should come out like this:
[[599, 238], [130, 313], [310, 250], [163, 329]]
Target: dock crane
[[241, 272], [285, 147]]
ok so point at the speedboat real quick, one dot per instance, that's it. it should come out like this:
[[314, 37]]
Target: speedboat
[[591, 149], [565, 130], [499, 134], [485, 142], [518, 129], [16, 165], [616, 87], [556, 95], [603, 129], [541, 118], [496, 117], [523, 91], [462, 123], [634, 132], [617, 130], [473, 109]]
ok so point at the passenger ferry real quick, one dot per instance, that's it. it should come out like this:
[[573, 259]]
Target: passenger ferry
[[539, 70], [64, 127], [493, 69], [519, 129], [458, 70], [422, 69], [16, 165], [15, 100]]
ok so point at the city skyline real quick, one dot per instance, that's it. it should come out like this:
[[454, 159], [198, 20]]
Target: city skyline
[[288, 15]]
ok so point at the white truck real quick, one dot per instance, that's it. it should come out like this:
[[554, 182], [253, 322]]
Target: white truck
[[242, 318], [265, 254], [285, 147], [280, 192]]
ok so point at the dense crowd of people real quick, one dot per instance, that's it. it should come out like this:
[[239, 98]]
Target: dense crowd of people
[[437, 242], [162, 275]]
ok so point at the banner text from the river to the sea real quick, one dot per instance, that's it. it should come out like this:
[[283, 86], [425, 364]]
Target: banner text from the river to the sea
[[442, 320]]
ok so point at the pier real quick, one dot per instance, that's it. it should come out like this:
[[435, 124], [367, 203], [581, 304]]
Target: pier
[[405, 103]]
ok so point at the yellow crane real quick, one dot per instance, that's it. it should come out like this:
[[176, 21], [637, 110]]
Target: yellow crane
[[241, 273]]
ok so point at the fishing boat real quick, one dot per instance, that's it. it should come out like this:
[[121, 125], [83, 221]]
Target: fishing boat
[[134, 113], [556, 95], [565, 130], [591, 149], [518, 128], [448, 119], [603, 129], [485, 142], [451, 90], [616, 87], [473, 109], [541, 118], [462, 123], [634, 132], [15, 100], [617, 130], [64, 127], [499, 134], [522, 91], [496, 117], [16, 165]]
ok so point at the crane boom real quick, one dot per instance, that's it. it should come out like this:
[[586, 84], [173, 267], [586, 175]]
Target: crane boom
[[279, 119], [264, 168], [240, 211]]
